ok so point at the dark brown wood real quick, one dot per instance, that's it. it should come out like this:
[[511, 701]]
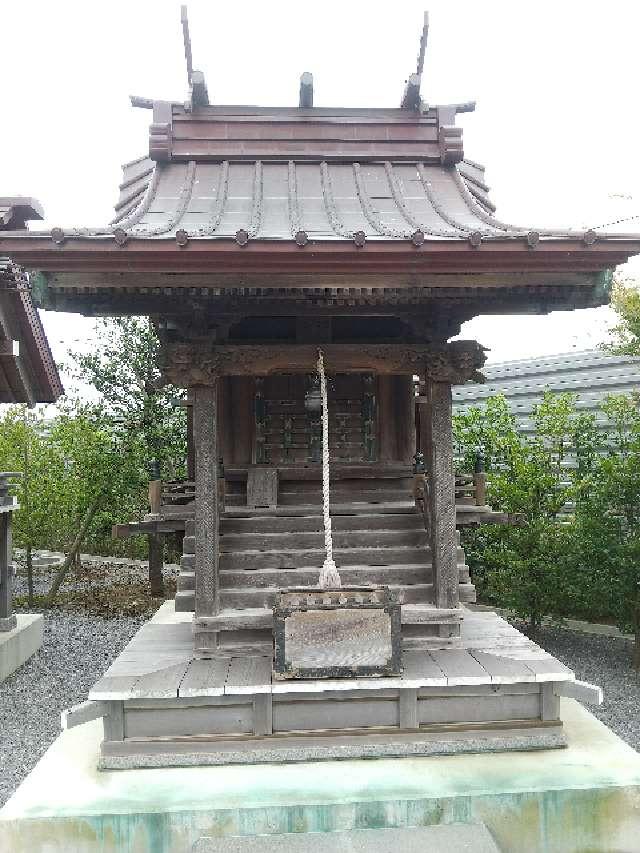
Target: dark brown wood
[[242, 414], [155, 496], [386, 426], [156, 564], [455, 362], [404, 417]]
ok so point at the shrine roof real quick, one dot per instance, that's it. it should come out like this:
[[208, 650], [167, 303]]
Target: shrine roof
[[307, 190], [267, 200], [28, 373]]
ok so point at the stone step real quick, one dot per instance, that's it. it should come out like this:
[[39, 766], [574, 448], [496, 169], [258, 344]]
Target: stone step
[[351, 576], [427, 614], [186, 581], [299, 540], [185, 601], [294, 523], [295, 558], [293, 497], [189, 545], [252, 597], [256, 618]]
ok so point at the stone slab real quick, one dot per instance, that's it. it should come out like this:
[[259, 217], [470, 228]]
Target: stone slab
[[584, 797], [453, 838], [19, 644]]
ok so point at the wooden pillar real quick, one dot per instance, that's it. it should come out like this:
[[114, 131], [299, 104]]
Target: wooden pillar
[[206, 519], [440, 504], [156, 564]]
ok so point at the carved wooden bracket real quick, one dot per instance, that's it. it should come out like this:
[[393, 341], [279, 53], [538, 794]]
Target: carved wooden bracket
[[201, 364], [161, 131], [449, 136]]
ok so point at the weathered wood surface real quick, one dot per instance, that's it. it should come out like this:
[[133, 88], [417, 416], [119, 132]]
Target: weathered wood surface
[[440, 506], [262, 487], [159, 662], [205, 437], [200, 364]]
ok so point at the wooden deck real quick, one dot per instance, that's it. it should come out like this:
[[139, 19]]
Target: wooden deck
[[162, 706], [159, 663]]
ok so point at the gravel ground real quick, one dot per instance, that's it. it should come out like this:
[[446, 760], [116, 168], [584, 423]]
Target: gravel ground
[[605, 661], [77, 649], [92, 570]]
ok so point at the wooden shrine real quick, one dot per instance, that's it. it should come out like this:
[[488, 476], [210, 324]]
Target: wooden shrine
[[255, 236]]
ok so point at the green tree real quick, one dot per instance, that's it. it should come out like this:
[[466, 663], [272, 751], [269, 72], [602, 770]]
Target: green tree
[[525, 566], [607, 540], [124, 369], [625, 335]]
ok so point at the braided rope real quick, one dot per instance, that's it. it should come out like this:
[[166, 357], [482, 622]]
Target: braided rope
[[329, 576]]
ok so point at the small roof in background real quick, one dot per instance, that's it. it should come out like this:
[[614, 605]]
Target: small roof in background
[[16, 211], [28, 372]]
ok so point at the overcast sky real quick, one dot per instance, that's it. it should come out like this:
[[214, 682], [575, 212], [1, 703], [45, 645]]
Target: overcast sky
[[557, 123]]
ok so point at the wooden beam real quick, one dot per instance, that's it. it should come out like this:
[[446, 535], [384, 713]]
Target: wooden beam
[[306, 90], [82, 713], [195, 364], [440, 504]]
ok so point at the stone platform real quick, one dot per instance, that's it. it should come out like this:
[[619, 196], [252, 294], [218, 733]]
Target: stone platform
[[164, 707], [19, 644], [451, 838], [584, 797]]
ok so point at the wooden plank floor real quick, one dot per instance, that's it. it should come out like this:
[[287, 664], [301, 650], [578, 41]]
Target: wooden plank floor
[[159, 663]]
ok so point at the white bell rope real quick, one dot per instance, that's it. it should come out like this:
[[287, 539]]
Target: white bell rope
[[329, 576]]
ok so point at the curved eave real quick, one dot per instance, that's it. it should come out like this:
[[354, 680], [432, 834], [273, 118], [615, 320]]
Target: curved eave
[[343, 257]]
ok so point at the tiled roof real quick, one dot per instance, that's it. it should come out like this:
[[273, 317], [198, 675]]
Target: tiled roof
[[325, 200]]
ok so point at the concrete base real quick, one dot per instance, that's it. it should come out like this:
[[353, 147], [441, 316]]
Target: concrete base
[[585, 797], [19, 644], [452, 838]]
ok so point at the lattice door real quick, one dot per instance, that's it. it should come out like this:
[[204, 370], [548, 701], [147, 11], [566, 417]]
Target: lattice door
[[286, 433]]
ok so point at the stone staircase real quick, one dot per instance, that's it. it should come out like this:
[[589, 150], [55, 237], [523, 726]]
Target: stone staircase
[[262, 554]]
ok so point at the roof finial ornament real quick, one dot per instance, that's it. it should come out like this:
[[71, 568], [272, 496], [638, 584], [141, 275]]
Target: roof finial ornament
[[306, 90], [198, 95], [411, 99]]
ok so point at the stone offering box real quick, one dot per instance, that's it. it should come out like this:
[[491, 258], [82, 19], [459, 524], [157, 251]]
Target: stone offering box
[[338, 633]]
